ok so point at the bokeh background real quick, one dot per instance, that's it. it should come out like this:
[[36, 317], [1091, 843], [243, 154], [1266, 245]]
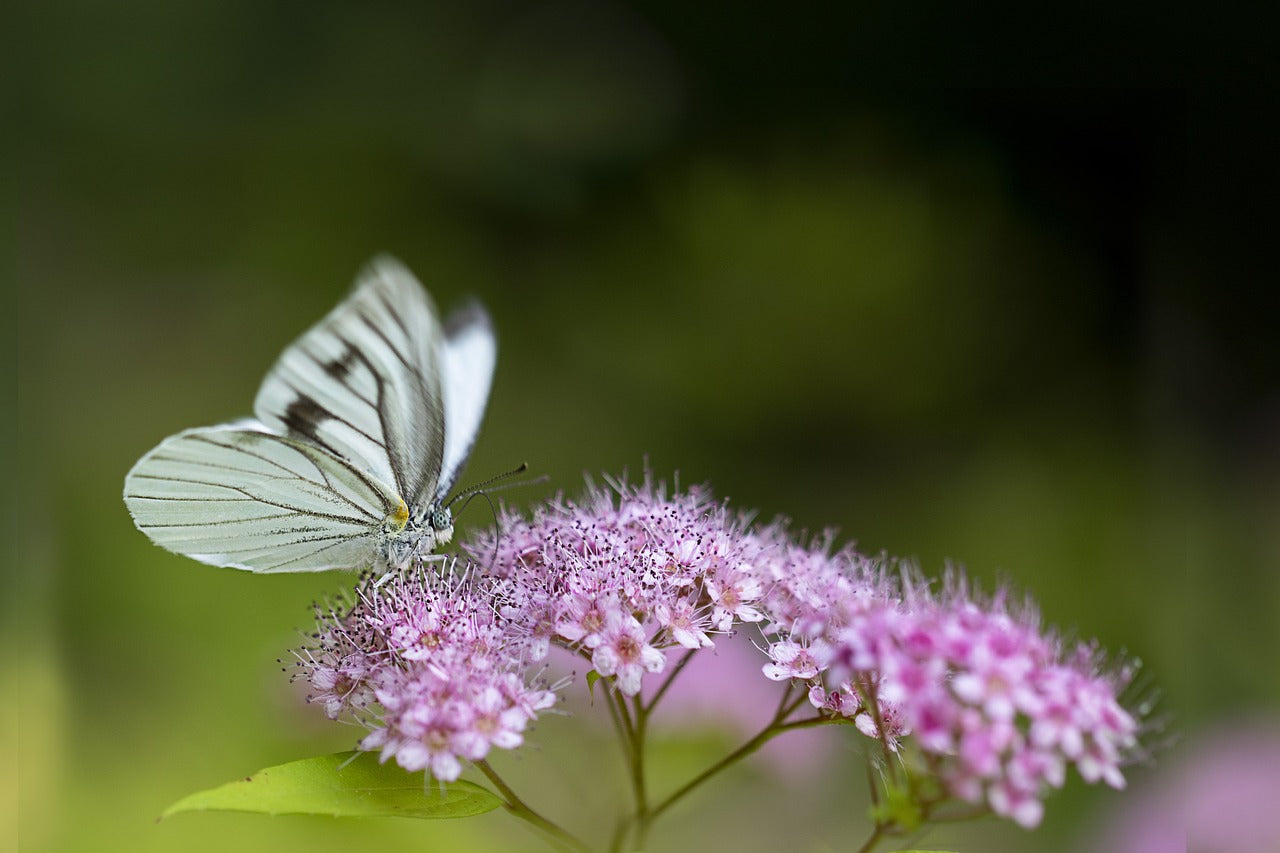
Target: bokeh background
[[977, 314]]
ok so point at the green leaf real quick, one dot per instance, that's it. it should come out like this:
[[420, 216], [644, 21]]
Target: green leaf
[[592, 678], [340, 786]]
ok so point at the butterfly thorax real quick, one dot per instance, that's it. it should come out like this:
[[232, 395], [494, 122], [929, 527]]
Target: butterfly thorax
[[409, 535]]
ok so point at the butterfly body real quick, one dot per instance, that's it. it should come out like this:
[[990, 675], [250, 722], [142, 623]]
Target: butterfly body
[[359, 432], [421, 532]]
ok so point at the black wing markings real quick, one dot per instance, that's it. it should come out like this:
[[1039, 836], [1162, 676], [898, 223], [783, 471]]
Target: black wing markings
[[221, 522], [380, 382], [305, 415], [166, 458], [281, 531], [339, 369], [391, 345], [194, 500], [435, 417], [307, 555], [295, 475], [297, 509], [395, 314]]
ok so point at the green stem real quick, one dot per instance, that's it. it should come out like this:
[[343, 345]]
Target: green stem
[[675, 670], [632, 746], [927, 814], [629, 729], [873, 697], [871, 786], [637, 753], [765, 735], [781, 713], [624, 734], [786, 710], [619, 835], [874, 839], [643, 816], [520, 809]]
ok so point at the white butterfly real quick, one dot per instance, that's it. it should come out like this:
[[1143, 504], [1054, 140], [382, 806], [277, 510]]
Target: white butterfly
[[362, 427]]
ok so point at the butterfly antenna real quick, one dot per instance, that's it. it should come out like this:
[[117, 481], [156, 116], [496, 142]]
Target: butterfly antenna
[[483, 490], [497, 524], [472, 496], [480, 487]]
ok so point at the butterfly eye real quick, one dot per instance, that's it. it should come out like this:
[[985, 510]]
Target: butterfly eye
[[441, 520]]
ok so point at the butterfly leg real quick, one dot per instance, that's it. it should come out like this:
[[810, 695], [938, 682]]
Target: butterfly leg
[[391, 570]]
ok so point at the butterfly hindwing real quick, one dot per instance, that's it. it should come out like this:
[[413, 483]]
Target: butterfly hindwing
[[364, 382], [241, 497]]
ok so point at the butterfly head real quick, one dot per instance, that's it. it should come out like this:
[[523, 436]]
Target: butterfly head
[[436, 528], [410, 534], [442, 524]]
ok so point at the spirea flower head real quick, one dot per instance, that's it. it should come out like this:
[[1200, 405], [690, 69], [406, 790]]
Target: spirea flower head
[[430, 665], [443, 666], [628, 574], [993, 706], [998, 707]]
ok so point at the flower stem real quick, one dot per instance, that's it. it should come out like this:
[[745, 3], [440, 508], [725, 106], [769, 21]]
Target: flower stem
[[624, 735], [517, 807], [643, 815], [675, 670], [872, 696], [765, 735], [872, 791], [873, 839], [782, 712], [885, 829], [637, 751], [629, 729]]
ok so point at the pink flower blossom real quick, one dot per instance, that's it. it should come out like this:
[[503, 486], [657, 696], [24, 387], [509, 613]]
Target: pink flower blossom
[[630, 572], [795, 660], [735, 600], [684, 623], [433, 664], [999, 705], [624, 652]]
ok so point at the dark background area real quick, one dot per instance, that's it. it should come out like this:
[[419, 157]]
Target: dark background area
[[996, 287]]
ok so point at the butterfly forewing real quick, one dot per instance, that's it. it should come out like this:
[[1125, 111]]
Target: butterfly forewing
[[239, 497], [466, 366], [364, 383]]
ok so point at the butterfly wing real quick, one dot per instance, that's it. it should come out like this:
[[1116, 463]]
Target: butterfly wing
[[238, 496], [364, 383], [467, 360]]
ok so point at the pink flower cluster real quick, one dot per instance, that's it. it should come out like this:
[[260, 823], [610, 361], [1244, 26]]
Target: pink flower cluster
[[445, 669], [971, 688], [997, 708], [628, 574]]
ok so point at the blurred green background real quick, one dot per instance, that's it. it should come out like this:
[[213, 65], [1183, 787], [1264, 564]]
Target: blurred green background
[[1029, 329]]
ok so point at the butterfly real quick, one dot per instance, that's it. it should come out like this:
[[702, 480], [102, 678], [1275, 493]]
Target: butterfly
[[360, 430]]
